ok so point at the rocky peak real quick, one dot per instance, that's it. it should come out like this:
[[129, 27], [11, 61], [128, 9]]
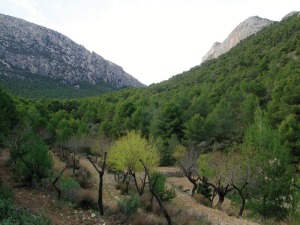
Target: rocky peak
[[291, 14], [248, 27], [29, 48]]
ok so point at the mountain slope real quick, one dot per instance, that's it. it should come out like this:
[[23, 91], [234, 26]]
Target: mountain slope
[[248, 27], [29, 52], [211, 105]]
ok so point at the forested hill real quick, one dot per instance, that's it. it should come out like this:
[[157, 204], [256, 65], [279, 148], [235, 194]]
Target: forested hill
[[38, 62], [231, 123], [208, 107]]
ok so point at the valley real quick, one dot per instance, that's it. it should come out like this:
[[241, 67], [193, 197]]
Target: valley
[[230, 126]]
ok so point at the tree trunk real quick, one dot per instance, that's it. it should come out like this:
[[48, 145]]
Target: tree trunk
[[243, 196], [212, 199], [153, 192], [221, 200], [56, 179], [189, 176], [242, 207], [136, 184], [151, 204], [265, 206], [124, 177], [195, 185], [100, 189], [140, 190], [100, 193], [164, 211], [74, 162]]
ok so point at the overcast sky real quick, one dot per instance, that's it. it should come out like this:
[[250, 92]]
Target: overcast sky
[[151, 39]]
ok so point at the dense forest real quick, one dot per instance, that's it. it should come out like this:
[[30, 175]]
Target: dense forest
[[35, 87], [244, 105]]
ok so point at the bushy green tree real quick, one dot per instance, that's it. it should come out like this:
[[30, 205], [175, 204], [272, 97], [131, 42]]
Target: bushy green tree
[[269, 160], [31, 155], [220, 122], [8, 115], [195, 130], [289, 131], [160, 187]]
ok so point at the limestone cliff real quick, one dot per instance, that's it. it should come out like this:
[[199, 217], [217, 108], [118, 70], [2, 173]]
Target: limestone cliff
[[29, 48], [248, 27]]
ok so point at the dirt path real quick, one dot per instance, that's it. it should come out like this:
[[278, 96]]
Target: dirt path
[[216, 217], [64, 214]]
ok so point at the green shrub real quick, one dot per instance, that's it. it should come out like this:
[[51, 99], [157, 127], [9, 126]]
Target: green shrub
[[70, 189], [164, 193], [36, 163], [204, 190], [5, 192], [9, 215], [129, 205]]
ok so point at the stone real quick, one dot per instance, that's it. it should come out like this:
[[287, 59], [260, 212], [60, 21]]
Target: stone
[[34, 49], [248, 27]]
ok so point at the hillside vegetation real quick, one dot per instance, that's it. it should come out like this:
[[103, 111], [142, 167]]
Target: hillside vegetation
[[243, 107]]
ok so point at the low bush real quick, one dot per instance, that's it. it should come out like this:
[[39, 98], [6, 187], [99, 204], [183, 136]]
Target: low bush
[[164, 193], [147, 219], [70, 189], [204, 190], [190, 217], [129, 204], [5, 192], [83, 176], [9, 215], [87, 200]]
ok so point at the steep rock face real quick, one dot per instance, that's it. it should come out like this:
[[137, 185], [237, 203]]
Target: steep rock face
[[250, 26], [26, 47], [291, 14]]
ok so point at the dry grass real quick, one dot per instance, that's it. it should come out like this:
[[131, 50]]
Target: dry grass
[[58, 165], [84, 177], [85, 165], [147, 219], [87, 200]]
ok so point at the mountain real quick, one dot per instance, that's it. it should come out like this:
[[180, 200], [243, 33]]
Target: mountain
[[248, 27], [29, 53], [211, 106]]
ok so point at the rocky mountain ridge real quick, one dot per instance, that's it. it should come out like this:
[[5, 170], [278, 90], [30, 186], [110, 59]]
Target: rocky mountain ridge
[[248, 27], [27, 48]]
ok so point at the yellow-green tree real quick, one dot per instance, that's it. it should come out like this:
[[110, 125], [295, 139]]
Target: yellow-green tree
[[125, 155]]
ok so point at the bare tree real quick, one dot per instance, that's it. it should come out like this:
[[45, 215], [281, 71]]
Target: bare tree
[[188, 164], [213, 171], [220, 189], [55, 181], [140, 189], [240, 176], [100, 171], [99, 150], [23, 135], [151, 184], [77, 145]]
